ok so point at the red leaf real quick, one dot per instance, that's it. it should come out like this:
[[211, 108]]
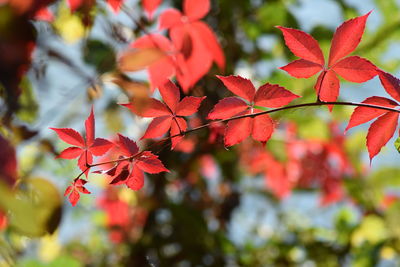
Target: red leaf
[[178, 125], [170, 94], [115, 4], [127, 146], [302, 68], [100, 146], [327, 87], [150, 6], [82, 190], [263, 127], [90, 128], [71, 153], [196, 58], [332, 191], [74, 4], [302, 45], [239, 86], [170, 18], [68, 190], [363, 114], [391, 84], [135, 180], [74, 197], [238, 130], [273, 96], [346, 38], [158, 127], [153, 41], [44, 14], [79, 182], [380, 132], [277, 179], [189, 105], [161, 70], [196, 9], [227, 108], [70, 136], [152, 108], [355, 69], [121, 176], [149, 163], [211, 42]]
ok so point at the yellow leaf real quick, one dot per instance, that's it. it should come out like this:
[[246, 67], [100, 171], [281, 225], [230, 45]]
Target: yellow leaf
[[49, 247], [68, 25], [371, 230], [138, 59]]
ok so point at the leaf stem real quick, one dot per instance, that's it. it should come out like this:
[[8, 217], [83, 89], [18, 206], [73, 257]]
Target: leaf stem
[[182, 133]]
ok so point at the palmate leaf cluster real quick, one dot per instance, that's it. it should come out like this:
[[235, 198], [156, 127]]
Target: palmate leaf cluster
[[304, 194]]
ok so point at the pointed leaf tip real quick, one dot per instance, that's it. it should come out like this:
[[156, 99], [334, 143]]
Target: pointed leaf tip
[[239, 86], [302, 45], [380, 132], [346, 38], [69, 136], [90, 128]]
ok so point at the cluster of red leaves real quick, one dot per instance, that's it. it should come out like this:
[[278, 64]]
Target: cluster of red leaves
[[189, 55], [122, 219], [74, 190], [192, 48], [385, 125], [309, 164], [127, 171], [351, 68], [86, 148], [131, 172], [168, 116], [345, 40], [260, 127]]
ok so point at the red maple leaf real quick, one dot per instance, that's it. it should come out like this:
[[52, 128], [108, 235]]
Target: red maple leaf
[[131, 172], [168, 115], [85, 149], [195, 39], [75, 189], [150, 6], [345, 40], [383, 128], [261, 126]]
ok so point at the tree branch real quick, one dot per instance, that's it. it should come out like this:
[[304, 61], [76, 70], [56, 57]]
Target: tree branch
[[313, 104]]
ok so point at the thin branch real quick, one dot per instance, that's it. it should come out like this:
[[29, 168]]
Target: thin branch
[[313, 104]]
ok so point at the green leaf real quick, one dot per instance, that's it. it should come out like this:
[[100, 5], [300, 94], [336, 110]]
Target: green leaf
[[100, 55], [29, 210], [397, 144], [27, 101]]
